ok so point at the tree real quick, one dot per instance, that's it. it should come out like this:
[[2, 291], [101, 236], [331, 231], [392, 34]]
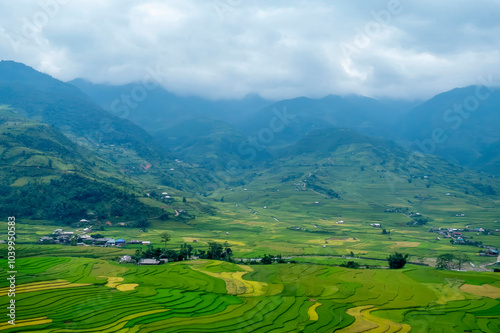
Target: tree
[[461, 258], [214, 250], [143, 223], [397, 260], [73, 241], [445, 261], [227, 253], [385, 232], [267, 260], [350, 264], [184, 199], [165, 237]]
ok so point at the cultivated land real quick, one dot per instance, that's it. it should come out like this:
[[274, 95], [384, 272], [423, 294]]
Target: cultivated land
[[272, 215], [311, 295], [319, 202], [92, 295]]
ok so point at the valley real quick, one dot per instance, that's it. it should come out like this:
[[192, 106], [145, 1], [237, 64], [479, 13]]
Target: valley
[[304, 223]]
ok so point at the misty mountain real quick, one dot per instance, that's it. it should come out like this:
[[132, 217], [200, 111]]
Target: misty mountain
[[460, 125], [118, 141], [211, 143], [292, 119], [156, 109], [69, 110]]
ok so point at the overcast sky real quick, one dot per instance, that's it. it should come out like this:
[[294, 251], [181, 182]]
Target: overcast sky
[[278, 49]]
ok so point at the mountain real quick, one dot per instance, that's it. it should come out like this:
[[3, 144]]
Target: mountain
[[460, 125], [65, 107], [44, 175], [161, 109], [213, 144], [344, 164], [291, 119], [119, 141]]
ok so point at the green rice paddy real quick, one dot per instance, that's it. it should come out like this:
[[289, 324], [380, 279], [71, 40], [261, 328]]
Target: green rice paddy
[[70, 295]]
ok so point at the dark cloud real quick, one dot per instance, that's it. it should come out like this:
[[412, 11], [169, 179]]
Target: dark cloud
[[279, 49]]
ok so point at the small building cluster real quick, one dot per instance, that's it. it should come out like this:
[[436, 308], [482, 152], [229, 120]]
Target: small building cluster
[[66, 237], [460, 237]]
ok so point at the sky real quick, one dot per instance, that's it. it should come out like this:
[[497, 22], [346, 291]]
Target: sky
[[225, 49]]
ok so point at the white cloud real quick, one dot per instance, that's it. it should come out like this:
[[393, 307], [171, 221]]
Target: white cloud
[[279, 49]]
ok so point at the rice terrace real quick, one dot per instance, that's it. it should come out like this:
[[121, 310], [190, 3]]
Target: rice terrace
[[232, 166]]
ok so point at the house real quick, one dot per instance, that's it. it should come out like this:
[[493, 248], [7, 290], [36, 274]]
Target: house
[[149, 262], [164, 260], [111, 242], [46, 239], [146, 243], [492, 252], [80, 244], [134, 241], [120, 242], [376, 225], [340, 222], [84, 221], [126, 259]]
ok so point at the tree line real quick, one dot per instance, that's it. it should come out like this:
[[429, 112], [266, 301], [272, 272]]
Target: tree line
[[69, 198]]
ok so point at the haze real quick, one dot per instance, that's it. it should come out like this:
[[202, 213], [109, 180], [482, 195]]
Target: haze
[[280, 49]]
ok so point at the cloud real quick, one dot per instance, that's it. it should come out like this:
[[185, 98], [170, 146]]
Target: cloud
[[279, 49]]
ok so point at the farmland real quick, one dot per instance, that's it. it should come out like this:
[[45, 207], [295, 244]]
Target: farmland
[[310, 293], [306, 228], [75, 295]]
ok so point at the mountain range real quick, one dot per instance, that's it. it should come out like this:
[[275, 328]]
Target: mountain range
[[335, 146]]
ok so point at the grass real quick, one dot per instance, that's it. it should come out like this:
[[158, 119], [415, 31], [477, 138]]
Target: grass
[[74, 295], [79, 289]]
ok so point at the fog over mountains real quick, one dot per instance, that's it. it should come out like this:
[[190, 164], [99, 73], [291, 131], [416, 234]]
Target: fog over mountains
[[459, 125]]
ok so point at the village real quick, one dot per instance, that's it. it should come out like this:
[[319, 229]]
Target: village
[[461, 237], [59, 236]]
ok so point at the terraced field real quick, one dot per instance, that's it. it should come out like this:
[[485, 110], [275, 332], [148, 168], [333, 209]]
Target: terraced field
[[84, 295]]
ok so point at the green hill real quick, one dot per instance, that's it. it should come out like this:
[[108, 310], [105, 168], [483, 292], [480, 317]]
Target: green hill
[[46, 176], [208, 142], [467, 121]]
